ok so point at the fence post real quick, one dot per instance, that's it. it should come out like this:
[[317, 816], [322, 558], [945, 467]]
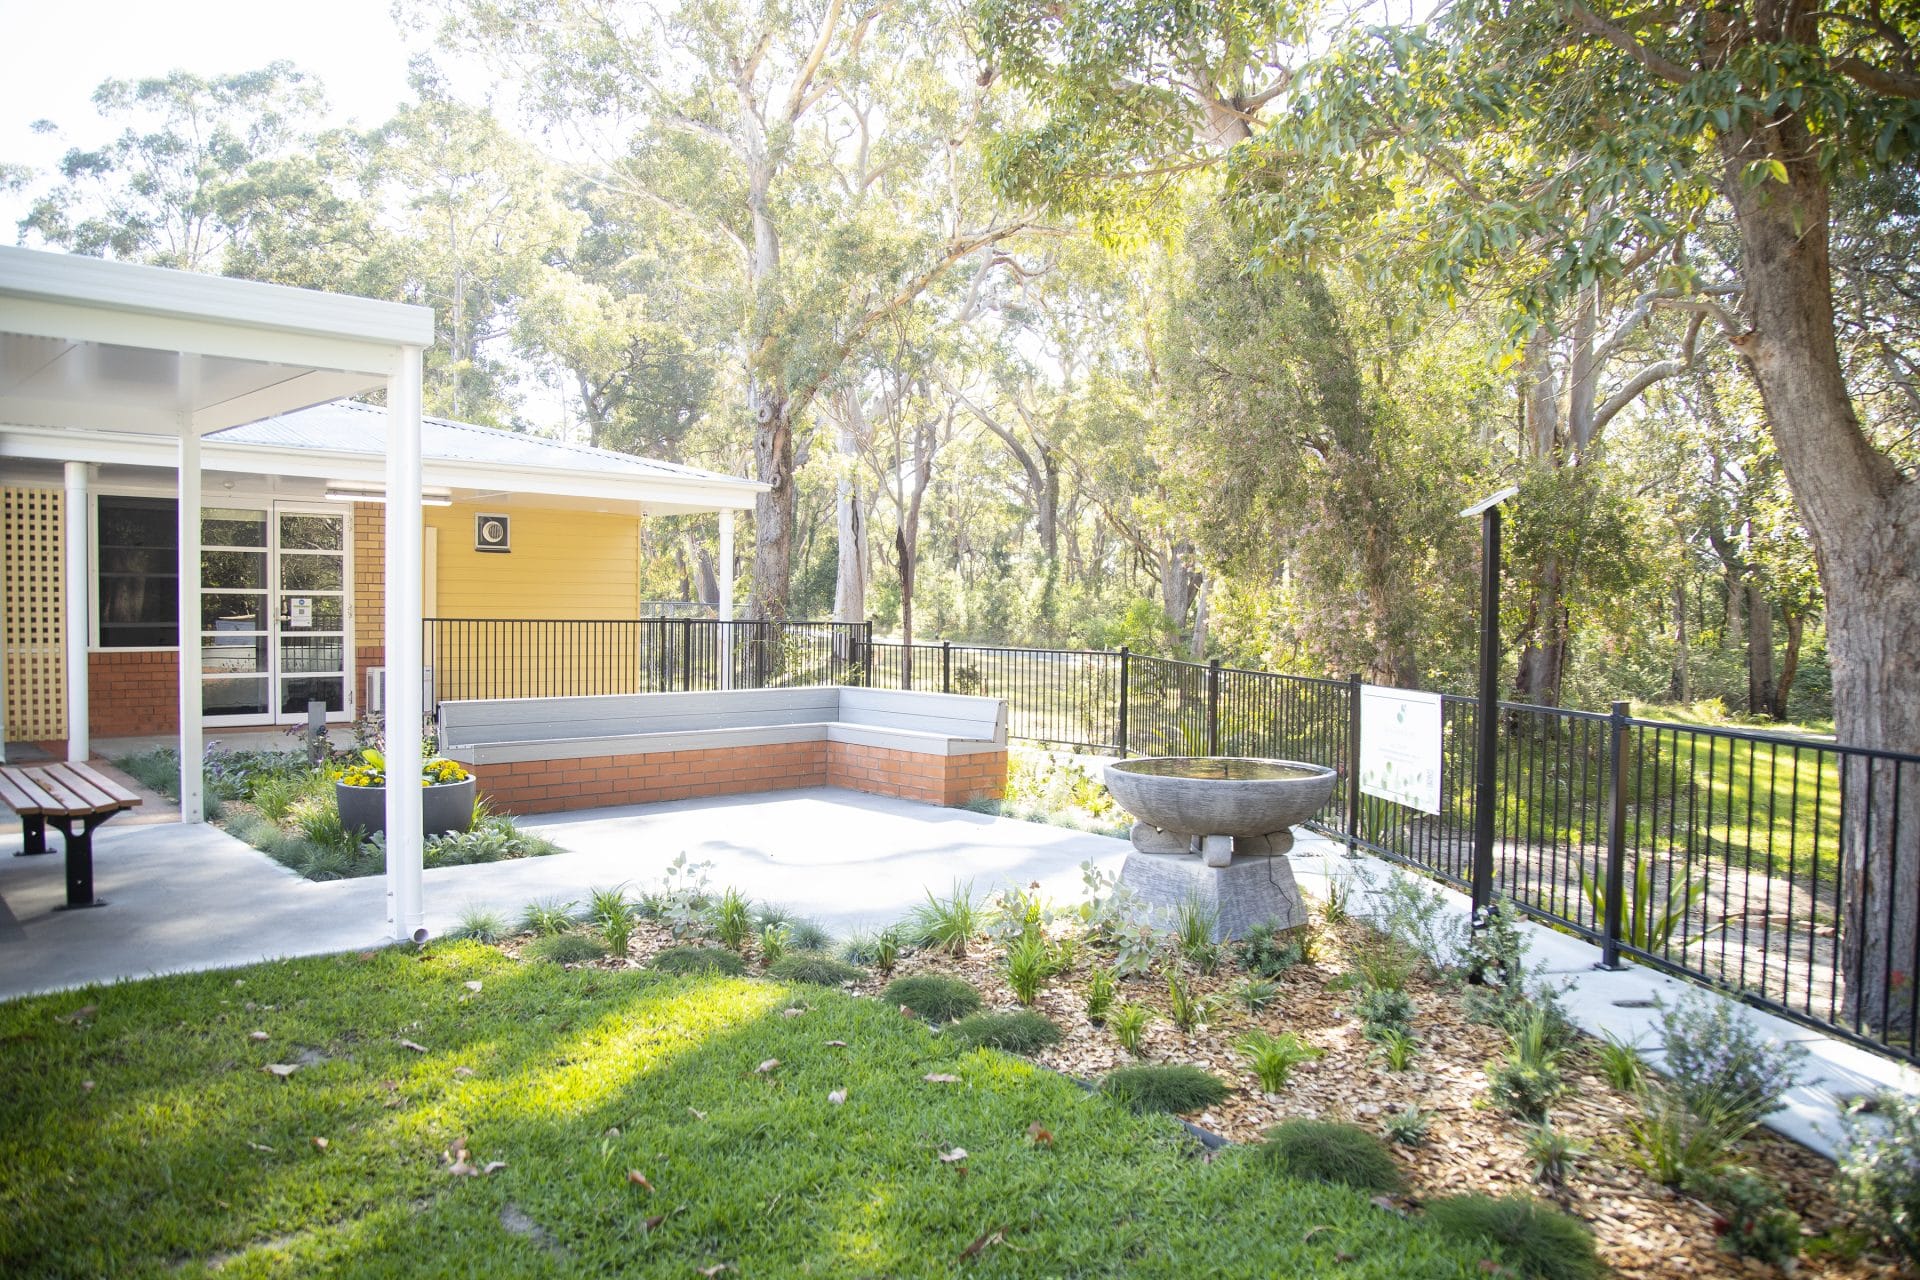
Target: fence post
[[1125, 656], [867, 651], [686, 655], [946, 666], [1213, 707], [1616, 837], [1353, 764]]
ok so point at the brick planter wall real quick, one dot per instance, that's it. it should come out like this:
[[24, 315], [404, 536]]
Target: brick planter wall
[[552, 786]]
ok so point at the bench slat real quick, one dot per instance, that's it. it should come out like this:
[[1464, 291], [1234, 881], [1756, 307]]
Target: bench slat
[[21, 793], [102, 783], [81, 789]]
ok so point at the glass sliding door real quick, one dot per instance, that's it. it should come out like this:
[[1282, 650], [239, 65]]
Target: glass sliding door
[[273, 613]]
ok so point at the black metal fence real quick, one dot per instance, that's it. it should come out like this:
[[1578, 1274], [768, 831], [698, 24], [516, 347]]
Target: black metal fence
[[1781, 868]]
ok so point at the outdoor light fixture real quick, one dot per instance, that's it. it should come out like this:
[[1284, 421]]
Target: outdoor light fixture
[[1487, 714], [343, 491]]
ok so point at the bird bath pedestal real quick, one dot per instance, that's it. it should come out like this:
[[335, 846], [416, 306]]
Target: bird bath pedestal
[[1216, 830]]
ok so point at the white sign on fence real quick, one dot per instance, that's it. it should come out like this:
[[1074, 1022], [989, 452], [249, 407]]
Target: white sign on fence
[[1400, 746]]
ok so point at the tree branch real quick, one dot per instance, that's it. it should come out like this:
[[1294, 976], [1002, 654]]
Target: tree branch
[[798, 101], [1622, 39]]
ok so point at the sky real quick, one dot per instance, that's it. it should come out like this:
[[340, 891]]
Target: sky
[[56, 54]]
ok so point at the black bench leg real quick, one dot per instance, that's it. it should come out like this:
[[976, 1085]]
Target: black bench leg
[[33, 835], [80, 861]]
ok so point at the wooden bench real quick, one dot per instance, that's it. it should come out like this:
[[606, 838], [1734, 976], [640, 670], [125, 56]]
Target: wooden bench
[[75, 799], [543, 754]]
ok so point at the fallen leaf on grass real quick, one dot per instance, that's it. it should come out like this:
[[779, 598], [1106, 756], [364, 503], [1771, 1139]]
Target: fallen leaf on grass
[[986, 1238], [955, 1156], [940, 1077], [837, 1097], [697, 1113], [474, 985], [320, 1143], [259, 1146], [417, 1048], [1040, 1134], [716, 1269], [86, 1086], [639, 1179], [767, 1066], [81, 1014], [258, 1037], [836, 1044], [463, 1071], [906, 1012], [281, 1069], [1314, 1231], [791, 1013]]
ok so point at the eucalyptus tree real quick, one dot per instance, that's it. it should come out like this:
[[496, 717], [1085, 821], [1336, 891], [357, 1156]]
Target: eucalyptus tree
[[825, 146]]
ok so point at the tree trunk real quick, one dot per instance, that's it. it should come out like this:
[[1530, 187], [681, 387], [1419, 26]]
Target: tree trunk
[[773, 511], [1543, 658], [1680, 683], [850, 579], [1790, 662], [905, 551], [1865, 522], [1759, 652]]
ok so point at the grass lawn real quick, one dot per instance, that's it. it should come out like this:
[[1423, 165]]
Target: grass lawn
[[144, 1137]]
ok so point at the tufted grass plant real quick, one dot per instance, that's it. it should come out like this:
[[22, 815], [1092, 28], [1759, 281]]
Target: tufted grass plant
[[1534, 1239], [696, 960], [1129, 1025], [820, 971], [1177, 1089], [946, 924], [566, 948], [1022, 1032], [480, 924], [933, 997], [1272, 1058], [545, 916], [1330, 1151]]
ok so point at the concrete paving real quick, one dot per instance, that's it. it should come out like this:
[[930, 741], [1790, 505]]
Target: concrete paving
[[191, 898]]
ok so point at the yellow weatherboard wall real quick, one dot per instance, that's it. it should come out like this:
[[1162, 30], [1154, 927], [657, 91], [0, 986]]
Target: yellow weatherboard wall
[[570, 565]]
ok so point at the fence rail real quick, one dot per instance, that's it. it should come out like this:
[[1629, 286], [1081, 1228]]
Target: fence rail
[[1778, 867]]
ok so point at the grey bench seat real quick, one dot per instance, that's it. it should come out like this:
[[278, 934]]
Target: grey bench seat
[[509, 730]]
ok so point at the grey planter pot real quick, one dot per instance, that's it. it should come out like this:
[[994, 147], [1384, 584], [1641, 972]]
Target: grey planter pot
[[444, 807]]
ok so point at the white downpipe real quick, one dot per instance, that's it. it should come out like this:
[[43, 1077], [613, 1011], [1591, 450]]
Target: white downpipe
[[193, 807], [79, 744], [406, 903], [724, 576]]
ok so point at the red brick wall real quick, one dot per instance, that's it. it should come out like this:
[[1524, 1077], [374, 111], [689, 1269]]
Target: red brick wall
[[132, 692], [550, 786]]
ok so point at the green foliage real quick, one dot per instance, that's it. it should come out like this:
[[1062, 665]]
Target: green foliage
[[565, 948], [886, 951], [1535, 1239], [1021, 1032], [1670, 1139], [935, 997], [1880, 1170], [1334, 910], [1129, 1025], [732, 920], [821, 971], [1329, 1151], [1194, 925], [1647, 924], [611, 911], [683, 899], [945, 924], [1395, 1048], [547, 916], [1186, 1009], [1028, 964], [691, 960], [1497, 951], [1419, 916], [1527, 1080], [480, 924], [1273, 1058], [1721, 1064], [1178, 1089], [1621, 1063], [774, 939], [1552, 1154], [1382, 1012], [1407, 1126], [1266, 951], [1255, 994], [809, 935], [1754, 1220], [1383, 962], [1100, 992]]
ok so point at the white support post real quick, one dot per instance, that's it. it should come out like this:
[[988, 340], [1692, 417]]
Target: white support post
[[723, 574], [79, 744], [406, 904], [192, 803]]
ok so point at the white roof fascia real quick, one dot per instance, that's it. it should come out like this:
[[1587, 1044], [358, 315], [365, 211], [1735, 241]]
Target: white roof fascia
[[148, 451], [218, 301]]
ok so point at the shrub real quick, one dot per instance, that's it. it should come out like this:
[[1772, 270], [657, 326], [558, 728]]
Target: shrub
[[1418, 914], [809, 935], [946, 924], [1100, 987], [1880, 1171], [1021, 1032], [1535, 1239], [1669, 1139], [1334, 909], [1408, 1126], [1497, 952], [858, 947], [565, 948], [1129, 1026], [545, 916], [682, 960], [1395, 1049], [1552, 1154], [1186, 1010], [1273, 1058], [821, 971], [886, 951], [481, 924], [1265, 951], [1194, 924], [612, 913], [1028, 965], [1178, 1089], [1524, 1089], [1382, 1011], [773, 943], [1384, 963], [1328, 1151], [930, 996], [1721, 1063], [1255, 994], [1754, 1221], [1621, 1063], [732, 920]]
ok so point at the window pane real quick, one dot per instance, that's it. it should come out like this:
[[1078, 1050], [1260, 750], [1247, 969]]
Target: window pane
[[233, 570], [222, 655], [228, 527], [309, 573], [138, 584], [310, 533], [295, 694], [233, 611], [323, 613], [318, 654], [234, 697]]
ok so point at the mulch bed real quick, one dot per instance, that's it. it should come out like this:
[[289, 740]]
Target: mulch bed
[[1642, 1229]]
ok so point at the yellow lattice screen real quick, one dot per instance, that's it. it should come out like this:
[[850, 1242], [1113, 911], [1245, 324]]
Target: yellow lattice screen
[[35, 614]]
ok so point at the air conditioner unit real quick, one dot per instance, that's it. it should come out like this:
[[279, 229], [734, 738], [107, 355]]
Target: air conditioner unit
[[376, 700]]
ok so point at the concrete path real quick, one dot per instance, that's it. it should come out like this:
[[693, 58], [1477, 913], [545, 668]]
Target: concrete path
[[190, 898]]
